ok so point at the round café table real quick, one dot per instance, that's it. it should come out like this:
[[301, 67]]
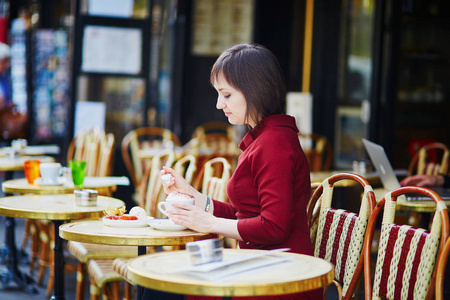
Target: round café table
[[97, 233], [21, 186], [302, 273], [9, 166], [56, 208]]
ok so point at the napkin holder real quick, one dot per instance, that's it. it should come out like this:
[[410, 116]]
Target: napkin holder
[[86, 197], [205, 251]]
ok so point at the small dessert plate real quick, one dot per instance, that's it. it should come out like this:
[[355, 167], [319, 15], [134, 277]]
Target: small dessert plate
[[165, 224], [126, 223]]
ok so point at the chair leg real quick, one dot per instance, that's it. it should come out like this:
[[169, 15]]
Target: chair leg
[[26, 234], [127, 291], [34, 232], [81, 271], [95, 292]]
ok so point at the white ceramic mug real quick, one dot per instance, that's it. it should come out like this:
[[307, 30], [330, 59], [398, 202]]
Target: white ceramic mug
[[174, 197], [50, 172]]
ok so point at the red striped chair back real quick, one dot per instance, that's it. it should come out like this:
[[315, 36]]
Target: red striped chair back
[[340, 233], [407, 256]]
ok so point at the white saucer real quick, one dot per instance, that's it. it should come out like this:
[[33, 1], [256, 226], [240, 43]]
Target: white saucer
[[59, 181], [126, 223], [165, 224]]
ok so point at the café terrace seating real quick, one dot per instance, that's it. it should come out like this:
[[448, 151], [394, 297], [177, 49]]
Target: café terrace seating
[[430, 159], [405, 267], [338, 234], [96, 148], [106, 274]]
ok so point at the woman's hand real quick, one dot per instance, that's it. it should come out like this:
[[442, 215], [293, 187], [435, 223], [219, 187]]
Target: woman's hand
[[176, 184], [192, 217]]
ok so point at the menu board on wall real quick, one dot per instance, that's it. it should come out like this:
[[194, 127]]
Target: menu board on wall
[[112, 50], [219, 24]]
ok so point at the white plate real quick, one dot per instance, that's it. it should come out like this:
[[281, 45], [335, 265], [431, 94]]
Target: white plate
[[165, 224], [126, 223], [59, 181]]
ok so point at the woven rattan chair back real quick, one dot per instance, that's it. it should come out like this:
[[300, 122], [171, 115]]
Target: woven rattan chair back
[[96, 148], [431, 159], [144, 137], [340, 233], [153, 189], [318, 151], [407, 256], [186, 167], [213, 178]]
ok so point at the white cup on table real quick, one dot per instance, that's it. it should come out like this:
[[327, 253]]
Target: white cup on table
[[174, 197], [50, 172]]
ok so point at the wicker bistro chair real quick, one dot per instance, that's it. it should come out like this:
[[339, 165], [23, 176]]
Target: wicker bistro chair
[[431, 159], [144, 137], [213, 178], [318, 151], [340, 233], [406, 263]]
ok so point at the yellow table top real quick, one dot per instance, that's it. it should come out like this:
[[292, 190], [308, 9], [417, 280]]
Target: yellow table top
[[302, 274], [96, 232], [53, 207], [7, 164], [21, 186], [416, 205]]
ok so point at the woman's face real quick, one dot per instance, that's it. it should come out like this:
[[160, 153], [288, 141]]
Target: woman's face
[[232, 102]]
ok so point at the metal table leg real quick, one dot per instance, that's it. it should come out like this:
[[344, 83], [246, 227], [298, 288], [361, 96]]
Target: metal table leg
[[142, 250], [58, 289], [21, 279]]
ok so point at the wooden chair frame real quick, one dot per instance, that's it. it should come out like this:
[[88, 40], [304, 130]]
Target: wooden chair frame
[[440, 273]]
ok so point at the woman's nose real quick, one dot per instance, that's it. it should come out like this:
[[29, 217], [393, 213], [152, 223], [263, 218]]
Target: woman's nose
[[220, 104]]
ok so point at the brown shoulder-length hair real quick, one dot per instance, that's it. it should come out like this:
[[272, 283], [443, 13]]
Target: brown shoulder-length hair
[[256, 73]]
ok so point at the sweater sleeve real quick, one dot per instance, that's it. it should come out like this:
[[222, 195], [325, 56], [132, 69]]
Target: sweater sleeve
[[224, 210]]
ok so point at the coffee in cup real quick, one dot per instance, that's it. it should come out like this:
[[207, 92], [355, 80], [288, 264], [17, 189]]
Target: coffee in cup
[[175, 197], [50, 172]]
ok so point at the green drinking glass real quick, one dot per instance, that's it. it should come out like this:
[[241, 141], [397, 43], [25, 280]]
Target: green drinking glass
[[78, 168]]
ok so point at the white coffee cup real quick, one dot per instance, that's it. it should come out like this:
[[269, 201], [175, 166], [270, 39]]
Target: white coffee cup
[[50, 172], [174, 197]]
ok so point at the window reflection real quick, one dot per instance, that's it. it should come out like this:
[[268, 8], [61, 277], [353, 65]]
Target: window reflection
[[123, 97]]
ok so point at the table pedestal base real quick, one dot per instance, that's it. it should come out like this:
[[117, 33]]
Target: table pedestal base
[[22, 280]]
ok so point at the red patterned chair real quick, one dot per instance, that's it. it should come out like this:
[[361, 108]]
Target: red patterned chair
[[340, 233], [407, 256]]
